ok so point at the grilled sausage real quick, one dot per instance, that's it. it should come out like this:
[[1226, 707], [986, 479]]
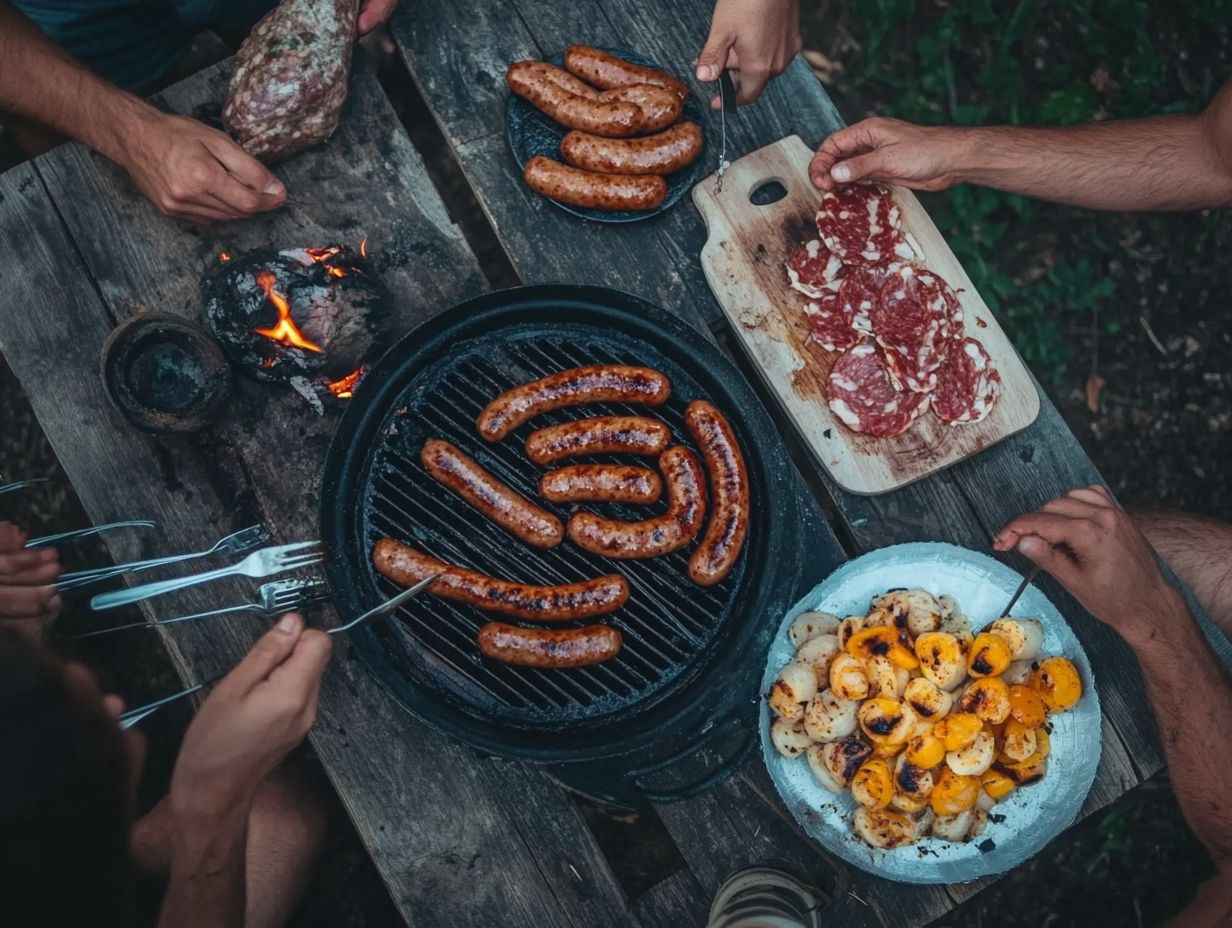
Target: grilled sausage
[[615, 118], [606, 483], [565, 603], [603, 69], [598, 435], [608, 192], [660, 108], [463, 475], [661, 153], [686, 507], [596, 383], [729, 484], [542, 647]]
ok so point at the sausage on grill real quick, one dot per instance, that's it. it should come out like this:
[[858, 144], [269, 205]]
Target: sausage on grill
[[543, 647], [598, 435], [602, 483], [564, 603], [729, 486], [661, 153], [686, 508], [499, 502], [533, 82], [588, 190], [596, 383]]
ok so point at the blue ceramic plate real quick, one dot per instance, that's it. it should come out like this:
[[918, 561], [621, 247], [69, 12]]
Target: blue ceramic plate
[[531, 133]]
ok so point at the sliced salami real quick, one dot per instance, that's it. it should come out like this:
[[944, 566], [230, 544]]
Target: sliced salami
[[830, 324], [857, 294], [865, 399], [812, 268], [859, 223], [967, 384], [911, 320]]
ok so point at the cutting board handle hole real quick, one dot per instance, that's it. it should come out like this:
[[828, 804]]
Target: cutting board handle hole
[[767, 192]]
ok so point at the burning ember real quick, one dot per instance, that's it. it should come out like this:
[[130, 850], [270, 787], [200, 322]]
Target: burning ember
[[344, 389], [308, 317], [286, 331]]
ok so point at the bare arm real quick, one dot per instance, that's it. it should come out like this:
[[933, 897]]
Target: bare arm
[[1089, 544], [187, 169], [1169, 162]]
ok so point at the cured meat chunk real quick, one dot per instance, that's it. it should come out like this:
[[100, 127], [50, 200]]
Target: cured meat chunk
[[859, 223], [911, 320], [812, 269], [865, 399], [967, 384], [290, 78]]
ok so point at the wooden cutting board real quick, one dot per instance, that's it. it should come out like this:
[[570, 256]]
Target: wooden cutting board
[[743, 259]]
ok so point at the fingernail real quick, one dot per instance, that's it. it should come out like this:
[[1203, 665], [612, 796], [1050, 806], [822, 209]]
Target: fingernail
[[56, 603], [706, 72], [275, 189], [1030, 544], [841, 172], [287, 624]]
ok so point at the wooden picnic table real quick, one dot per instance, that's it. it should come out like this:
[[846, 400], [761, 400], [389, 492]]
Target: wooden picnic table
[[460, 838]]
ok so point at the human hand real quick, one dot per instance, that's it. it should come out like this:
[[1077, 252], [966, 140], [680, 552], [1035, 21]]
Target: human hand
[[1094, 549], [756, 38], [890, 151], [27, 597], [255, 716], [373, 13], [190, 171]]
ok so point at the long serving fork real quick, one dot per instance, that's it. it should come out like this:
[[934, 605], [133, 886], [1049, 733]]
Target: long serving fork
[[273, 598], [22, 484], [235, 543], [84, 532], [263, 563], [133, 716]]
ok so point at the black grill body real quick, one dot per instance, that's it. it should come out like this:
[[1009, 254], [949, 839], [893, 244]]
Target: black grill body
[[676, 708]]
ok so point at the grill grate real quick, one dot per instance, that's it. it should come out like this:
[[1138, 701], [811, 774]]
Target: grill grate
[[669, 623]]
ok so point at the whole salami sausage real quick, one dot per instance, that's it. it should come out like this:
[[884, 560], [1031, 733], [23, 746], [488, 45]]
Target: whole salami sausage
[[290, 78]]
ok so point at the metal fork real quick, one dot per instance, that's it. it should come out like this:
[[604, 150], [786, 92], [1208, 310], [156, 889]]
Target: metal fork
[[133, 716], [84, 532], [263, 563], [235, 543], [386, 607], [22, 484], [273, 598]]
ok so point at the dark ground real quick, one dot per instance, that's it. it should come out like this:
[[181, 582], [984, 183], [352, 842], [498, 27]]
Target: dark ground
[[1138, 301]]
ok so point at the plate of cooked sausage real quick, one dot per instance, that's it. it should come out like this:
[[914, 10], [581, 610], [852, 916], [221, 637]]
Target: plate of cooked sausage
[[604, 134]]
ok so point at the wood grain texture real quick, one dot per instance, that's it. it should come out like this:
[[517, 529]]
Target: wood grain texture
[[744, 258], [457, 837]]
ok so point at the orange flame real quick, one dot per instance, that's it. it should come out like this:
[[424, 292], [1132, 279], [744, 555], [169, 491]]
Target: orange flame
[[363, 248], [285, 331], [344, 388], [224, 256]]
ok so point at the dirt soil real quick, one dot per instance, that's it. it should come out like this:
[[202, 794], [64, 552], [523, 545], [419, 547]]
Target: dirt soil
[[1160, 434]]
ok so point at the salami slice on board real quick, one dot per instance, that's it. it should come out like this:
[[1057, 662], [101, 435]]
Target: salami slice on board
[[859, 223], [857, 294], [967, 384], [863, 396], [912, 319], [830, 324], [812, 268]]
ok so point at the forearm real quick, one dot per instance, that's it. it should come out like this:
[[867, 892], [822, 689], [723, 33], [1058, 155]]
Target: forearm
[[206, 884], [42, 82], [1192, 700], [1170, 162]]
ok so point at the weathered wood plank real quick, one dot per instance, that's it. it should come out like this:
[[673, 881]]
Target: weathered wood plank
[[676, 902], [458, 838]]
